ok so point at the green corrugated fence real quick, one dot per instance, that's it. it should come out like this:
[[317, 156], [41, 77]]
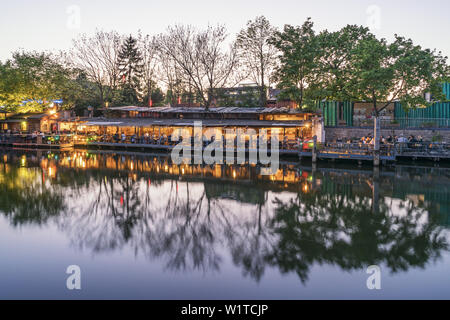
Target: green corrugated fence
[[332, 111], [446, 88], [438, 114]]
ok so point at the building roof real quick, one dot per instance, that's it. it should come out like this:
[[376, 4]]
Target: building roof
[[24, 116], [37, 116], [241, 110], [143, 122], [129, 108], [11, 120]]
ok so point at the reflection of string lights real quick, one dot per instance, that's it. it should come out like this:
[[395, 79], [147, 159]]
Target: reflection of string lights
[[51, 172], [79, 160], [305, 188]]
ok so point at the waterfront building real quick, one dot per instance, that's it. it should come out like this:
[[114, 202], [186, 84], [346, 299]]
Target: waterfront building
[[162, 121]]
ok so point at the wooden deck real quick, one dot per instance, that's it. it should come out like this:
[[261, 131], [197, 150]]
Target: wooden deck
[[20, 145], [358, 152], [328, 151], [345, 156]]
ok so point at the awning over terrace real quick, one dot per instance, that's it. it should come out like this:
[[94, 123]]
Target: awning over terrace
[[167, 109], [147, 122]]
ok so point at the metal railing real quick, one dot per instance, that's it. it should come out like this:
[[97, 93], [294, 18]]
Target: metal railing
[[289, 144], [355, 148], [388, 149], [423, 148], [403, 123], [51, 139]]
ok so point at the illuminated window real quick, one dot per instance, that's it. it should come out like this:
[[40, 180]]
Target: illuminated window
[[23, 126]]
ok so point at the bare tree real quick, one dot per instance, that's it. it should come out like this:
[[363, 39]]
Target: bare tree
[[97, 56], [170, 75], [201, 58], [257, 54], [151, 66]]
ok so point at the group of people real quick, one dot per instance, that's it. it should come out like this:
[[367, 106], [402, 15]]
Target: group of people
[[369, 139], [144, 139], [121, 137]]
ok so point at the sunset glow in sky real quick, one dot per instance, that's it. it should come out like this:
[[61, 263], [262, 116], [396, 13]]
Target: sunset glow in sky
[[51, 25]]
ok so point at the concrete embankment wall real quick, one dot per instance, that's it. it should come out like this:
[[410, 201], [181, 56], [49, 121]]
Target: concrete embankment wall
[[333, 133]]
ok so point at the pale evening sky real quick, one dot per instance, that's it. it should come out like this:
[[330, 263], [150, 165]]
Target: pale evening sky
[[51, 25]]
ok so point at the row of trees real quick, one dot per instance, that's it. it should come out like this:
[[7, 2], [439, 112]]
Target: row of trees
[[348, 64]]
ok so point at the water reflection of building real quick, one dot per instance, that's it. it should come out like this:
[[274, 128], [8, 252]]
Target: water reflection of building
[[286, 178], [246, 184]]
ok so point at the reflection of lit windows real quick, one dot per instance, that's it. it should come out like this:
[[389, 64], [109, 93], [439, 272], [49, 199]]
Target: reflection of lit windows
[[305, 188]]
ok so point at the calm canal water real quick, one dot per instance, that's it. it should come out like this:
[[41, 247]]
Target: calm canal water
[[140, 227]]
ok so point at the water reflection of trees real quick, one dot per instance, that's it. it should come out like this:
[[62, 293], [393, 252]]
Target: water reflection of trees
[[193, 225], [336, 229], [188, 230], [25, 198]]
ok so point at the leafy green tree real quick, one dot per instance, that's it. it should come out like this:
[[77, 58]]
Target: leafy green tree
[[298, 73], [82, 92], [335, 51], [9, 85], [131, 68], [360, 67], [35, 77]]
